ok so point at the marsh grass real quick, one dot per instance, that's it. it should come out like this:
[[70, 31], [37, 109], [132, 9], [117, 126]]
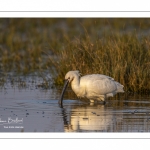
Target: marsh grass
[[119, 48], [125, 58]]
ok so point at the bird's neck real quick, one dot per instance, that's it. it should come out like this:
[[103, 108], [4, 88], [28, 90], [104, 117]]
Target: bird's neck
[[75, 84]]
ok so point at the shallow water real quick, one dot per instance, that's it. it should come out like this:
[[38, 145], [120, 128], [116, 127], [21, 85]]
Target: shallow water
[[32, 108]]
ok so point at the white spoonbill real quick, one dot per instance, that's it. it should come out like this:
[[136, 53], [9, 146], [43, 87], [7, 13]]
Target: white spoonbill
[[95, 87]]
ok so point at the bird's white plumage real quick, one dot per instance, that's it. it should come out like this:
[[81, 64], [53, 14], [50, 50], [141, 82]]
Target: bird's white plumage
[[94, 86]]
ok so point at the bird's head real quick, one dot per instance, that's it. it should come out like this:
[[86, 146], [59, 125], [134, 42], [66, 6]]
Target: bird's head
[[68, 78], [71, 75]]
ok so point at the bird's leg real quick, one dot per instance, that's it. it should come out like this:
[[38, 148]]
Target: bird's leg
[[101, 102], [104, 102], [92, 101]]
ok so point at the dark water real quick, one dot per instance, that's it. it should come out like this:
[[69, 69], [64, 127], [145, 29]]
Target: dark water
[[32, 108]]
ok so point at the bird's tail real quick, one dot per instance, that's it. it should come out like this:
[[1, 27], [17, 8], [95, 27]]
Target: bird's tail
[[119, 88]]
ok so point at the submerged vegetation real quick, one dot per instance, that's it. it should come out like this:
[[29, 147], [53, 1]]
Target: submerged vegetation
[[119, 48]]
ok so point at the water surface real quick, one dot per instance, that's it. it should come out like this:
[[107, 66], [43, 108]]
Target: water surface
[[27, 106]]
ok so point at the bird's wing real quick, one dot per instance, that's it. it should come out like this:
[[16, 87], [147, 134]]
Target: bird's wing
[[99, 84], [95, 77], [104, 86]]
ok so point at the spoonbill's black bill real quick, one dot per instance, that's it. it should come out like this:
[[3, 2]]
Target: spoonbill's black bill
[[63, 91]]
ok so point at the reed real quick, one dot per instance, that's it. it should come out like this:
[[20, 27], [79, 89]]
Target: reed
[[119, 48], [123, 57]]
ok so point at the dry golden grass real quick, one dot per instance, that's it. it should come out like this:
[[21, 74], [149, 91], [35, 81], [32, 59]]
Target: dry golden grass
[[124, 58], [119, 48]]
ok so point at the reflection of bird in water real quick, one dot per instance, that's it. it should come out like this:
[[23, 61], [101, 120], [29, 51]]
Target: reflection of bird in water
[[88, 118], [64, 114], [95, 87]]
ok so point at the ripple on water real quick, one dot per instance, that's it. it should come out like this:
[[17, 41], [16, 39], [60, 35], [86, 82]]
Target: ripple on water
[[41, 113]]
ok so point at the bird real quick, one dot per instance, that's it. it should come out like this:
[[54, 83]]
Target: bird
[[94, 87]]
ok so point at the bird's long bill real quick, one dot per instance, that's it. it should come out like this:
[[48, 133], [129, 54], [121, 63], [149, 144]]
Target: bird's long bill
[[63, 91]]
